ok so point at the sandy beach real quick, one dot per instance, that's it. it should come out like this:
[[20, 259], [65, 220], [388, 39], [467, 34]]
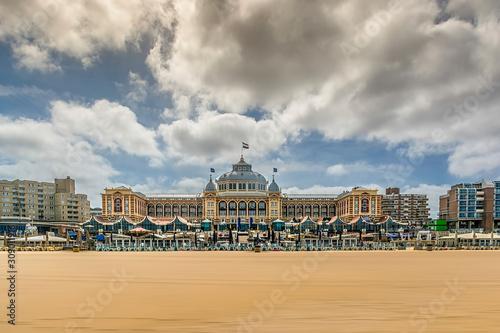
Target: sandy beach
[[403, 291]]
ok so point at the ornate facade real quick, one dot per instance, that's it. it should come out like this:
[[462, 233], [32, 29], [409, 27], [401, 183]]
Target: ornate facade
[[242, 197]]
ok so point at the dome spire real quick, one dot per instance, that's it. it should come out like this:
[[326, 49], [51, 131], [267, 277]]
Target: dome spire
[[210, 186], [273, 187]]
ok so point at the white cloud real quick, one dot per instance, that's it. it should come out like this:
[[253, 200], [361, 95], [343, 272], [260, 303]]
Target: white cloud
[[320, 189], [36, 150], [108, 124], [73, 143], [139, 88], [32, 58], [158, 185], [337, 170], [80, 29], [400, 87], [217, 137], [412, 82]]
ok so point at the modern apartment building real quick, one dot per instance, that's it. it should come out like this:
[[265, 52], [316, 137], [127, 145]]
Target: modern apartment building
[[57, 201], [407, 208], [472, 205]]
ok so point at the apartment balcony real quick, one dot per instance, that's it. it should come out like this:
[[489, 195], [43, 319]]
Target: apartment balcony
[[480, 193]]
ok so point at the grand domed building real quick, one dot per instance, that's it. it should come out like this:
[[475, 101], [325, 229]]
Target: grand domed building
[[242, 197]]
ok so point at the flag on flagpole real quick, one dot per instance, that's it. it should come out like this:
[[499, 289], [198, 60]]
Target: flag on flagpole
[[245, 145], [212, 170], [275, 170]]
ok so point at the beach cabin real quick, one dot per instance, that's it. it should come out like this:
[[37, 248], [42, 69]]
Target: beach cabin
[[307, 225], [278, 225]]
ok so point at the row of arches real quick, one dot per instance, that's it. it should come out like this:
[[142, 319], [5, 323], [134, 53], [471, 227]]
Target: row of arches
[[314, 210], [241, 208], [171, 210]]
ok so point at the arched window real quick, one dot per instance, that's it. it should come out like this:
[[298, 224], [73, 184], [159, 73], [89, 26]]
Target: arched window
[[159, 210], [151, 210], [333, 211], [222, 208], [324, 212], [364, 206], [262, 208], [192, 210], [232, 208], [308, 210], [118, 205], [200, 210], [283, 210], [291, 210], [168, 210], [184, 210], [300, 210], [251, 208], [175, 209], [242, 208]]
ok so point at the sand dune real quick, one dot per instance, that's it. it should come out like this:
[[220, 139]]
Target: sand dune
[[405, 291]]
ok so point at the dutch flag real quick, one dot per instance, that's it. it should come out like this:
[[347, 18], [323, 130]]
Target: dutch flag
[[245, 145]]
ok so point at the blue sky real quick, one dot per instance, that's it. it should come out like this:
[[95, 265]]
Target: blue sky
[[151, 94]]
